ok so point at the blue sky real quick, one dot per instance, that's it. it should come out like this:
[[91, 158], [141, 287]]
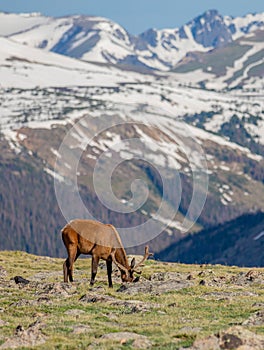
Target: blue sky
[[137, 15]]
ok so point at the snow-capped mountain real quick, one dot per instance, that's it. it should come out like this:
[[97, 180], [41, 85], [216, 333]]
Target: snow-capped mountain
[[213, 95], [101, 40]]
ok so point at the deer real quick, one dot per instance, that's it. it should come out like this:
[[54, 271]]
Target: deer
[[102, 241]]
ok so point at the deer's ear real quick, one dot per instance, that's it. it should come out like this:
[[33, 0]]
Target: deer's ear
[[133, 263]]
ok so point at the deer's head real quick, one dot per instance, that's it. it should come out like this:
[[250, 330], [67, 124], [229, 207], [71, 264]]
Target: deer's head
[[127, 274]]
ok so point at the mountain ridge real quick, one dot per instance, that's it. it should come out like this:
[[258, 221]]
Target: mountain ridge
[[102, 40], [238, 242]]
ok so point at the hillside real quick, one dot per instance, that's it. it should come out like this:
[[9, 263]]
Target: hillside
[[238, 242], [31, 219], [172, 306]]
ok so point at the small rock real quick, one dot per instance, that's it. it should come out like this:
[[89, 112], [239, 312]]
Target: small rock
[[122, 288], [258, 304], [202, 283], [28, 338], [257, 319], [43, 299], [74, 312], [236, 337], [39, 314], [19, 329], [160, 312], [230, 341], [173, 305], [57, 289], [3, 272], [209, 343], [19, 279], [81, 328], [190, 277], [140, 341], [112, 317], [190, 330], [3, 323]]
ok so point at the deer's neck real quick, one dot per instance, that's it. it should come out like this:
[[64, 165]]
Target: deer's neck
[[121, 257]]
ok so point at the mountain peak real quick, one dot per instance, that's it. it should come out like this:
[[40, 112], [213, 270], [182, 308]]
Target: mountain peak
[[150, 36], [210, 30]]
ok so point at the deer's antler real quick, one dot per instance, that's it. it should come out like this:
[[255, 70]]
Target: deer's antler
[[145, 257]]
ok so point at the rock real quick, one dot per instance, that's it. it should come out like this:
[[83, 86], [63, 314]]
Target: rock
[[258, 304], [74, 312], [190, 277], [3, 272], [19, 279], [250, 277], [233, 338], [142, 343], [131, 306], [224, 295], [81, 328], [173, 305], [43, 299], [3, 323], [165, 276], [57, 289], [30, 337], [44, 276], [230, 341], [209, 343], [21, 302], [190, 330], [257, 319], [25, 302], [39, 314], [161, 282]]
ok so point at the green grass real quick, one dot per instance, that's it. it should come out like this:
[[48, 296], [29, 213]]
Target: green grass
[[181, 316]]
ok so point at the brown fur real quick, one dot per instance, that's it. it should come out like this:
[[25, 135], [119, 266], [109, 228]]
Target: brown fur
[[99, 240]]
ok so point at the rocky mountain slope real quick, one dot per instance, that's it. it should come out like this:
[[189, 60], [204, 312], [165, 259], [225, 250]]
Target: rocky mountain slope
[[199, 150], [238, 242], [236, 65], [39, 311]]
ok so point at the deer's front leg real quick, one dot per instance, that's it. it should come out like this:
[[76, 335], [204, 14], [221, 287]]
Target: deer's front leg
[[95, 261]]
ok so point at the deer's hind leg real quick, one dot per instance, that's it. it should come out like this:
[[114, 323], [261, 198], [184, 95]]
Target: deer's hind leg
[[95, 262], [66, 270], [109, 273]]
